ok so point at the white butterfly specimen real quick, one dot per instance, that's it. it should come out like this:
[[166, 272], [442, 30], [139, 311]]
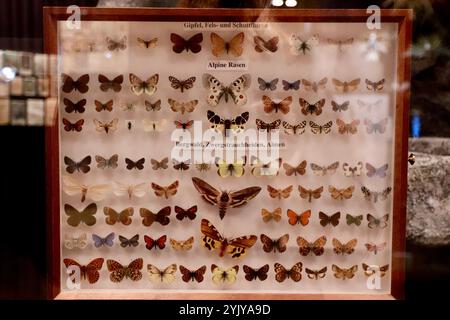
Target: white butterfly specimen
[[122, 189], [166, 275], [369, 105], [235, 90], [224, 275], [154, 125], [95, 192], [303, 45], [72, 242]]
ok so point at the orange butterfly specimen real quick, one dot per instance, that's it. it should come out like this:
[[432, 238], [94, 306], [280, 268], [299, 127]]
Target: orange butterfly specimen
[[329, 220], [317, 246], [344, 248], [295, 273], [341, 194], [344, 86], [300, 169], [343, 273], [370, 270], [162, 217], [112, 216], [262, 45], [279, 193], [89, 271], [119, 272], [308, 108], [351, 127], [165, 192], [274, 245], [253, 274], [302, 218], [182, 245], [310, 193], [220, 46], [268, 215], [270, 105], [213, 240], [114, 84], [324, 170], [316, 274], [372, 247]]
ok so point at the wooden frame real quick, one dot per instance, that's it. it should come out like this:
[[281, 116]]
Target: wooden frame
[[403, 18]]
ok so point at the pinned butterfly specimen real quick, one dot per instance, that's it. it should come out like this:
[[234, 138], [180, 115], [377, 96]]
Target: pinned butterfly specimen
[[182, 84], [224, 199], [227, 125], [203, 166], [90, 272], [128, 106], [112, 216], [192, 275], [343, 273], [181, 165], [100, 106], [279, 193], [81, 166], [213, 240], [375, 85], [132, 242], [139, 86], [294, 128], [344, 86], [235, 169], [375, 248], [316, 274], [270, 85], [104, 163], [130, 190], [165, 192], [356, 220], [116, 45], [369, 105], [310, 85], [270, 105], [182, 245], [351, 127], [220, 46], [163, 164], [376, 172], [107, 241], [224, 275], [261, 169], [107, 126], [262, 45], [257, 273], [375, 222], [159, 243], [235, 90], [332, 220], [340, 43], [72, 242], [153, 125], [114, 84], [303, 45], [166, 275], [77, 107], [139, 164], [370, 270], [341, 194], [147, 43], [340, 107], [182, 107], [183, 125], [162, 217], [352, 171], [344, 248], [291, 85], [311, 109], [132, 271], [295, 273], [95, 192], [318, 129], [316, 247], [80, 85], [155, 106], [310, 193], [275, 245], [370, 195], [324, 170], [76, 126], [192, 44], [302, 218], [274, 215]]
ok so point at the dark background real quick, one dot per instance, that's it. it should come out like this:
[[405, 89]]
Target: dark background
[[22, 194]]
